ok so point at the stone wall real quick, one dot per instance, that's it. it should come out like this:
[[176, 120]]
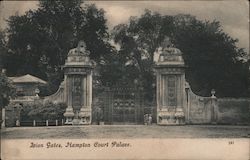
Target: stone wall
[[197, 109], [58, 97], [233, 111], [12, 114], [200, 109], [13, 111], [212, 110]]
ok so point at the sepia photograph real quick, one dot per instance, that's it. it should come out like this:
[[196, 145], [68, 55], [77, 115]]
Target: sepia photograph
[[124, 79]]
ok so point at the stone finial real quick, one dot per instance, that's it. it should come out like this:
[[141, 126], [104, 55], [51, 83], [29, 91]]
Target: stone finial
[[79, 50], [168, 47], [168, 53], [213, 93], [187, 86], [37, 91], [166, 43], [79, 55], [3, 71]]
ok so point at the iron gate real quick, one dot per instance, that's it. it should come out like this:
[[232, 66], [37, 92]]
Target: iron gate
[[123, 105]]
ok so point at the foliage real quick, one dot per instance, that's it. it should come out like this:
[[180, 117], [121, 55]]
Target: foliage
[[6, 90], [3, 49], [39, 40], [213, 60], [47, 111], [212, 57]]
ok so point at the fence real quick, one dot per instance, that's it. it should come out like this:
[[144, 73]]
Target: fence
[[40, 123]]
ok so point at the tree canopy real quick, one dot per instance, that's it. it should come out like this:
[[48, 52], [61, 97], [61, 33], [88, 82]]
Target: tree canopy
[[6, 90], [39, 40], [38, 43], [212, 57], [3, 48]]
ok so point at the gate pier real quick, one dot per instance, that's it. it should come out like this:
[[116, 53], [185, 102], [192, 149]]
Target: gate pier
[[78, 86], [170, 77]]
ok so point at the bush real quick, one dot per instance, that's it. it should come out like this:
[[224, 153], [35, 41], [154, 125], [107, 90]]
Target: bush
[[47, 111]]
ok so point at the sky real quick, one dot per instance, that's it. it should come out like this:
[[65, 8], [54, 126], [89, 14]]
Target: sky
[[232, 14]]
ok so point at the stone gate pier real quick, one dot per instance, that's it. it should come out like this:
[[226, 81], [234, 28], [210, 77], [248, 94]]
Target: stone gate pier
[[170, 77], [78, 86]]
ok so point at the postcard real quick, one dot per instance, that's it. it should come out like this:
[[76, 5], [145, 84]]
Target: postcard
[[124, 80]]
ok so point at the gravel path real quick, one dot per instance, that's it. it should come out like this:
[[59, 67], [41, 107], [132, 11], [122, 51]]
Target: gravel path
[[127, 131]]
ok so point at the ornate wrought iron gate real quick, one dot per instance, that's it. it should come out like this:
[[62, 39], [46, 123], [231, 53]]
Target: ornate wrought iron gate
[[123, 105]]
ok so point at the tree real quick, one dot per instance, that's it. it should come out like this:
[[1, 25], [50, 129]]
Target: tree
[[47, 111], [39, 40], [6, 90], [212, 57], [3, 49]]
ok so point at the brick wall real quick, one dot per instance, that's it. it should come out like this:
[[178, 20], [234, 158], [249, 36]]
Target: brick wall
[[233, 111]]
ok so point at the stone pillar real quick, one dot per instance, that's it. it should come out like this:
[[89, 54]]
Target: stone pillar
[[187, 103], [86, 109], [69, 114], [170, 72], [214, 113], [78, 77]]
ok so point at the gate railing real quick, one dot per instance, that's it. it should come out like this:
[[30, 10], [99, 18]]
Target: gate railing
[[126, 103], [39, 123]]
